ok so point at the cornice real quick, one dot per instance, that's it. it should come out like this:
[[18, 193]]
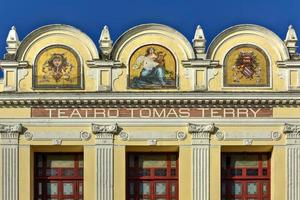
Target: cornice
[[170, 99]]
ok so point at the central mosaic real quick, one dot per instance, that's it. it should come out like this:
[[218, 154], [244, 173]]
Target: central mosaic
[[152, 67]]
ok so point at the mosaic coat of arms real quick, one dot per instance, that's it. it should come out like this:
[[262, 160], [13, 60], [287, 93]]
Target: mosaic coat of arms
[[246, 66], [152, 67], [57, 67]]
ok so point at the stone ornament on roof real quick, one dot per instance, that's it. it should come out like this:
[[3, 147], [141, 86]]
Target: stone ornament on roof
[[199, 43], [105, 42], [12, 42]]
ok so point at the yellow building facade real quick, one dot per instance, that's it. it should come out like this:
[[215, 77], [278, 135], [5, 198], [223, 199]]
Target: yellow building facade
[[150, 116]]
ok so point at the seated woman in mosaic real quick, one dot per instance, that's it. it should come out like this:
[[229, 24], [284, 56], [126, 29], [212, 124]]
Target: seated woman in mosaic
[[153, 69]]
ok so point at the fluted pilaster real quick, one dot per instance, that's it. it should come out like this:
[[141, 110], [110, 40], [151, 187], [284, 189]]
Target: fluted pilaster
[[9, 136], [104, 158], [200, 163], [292, 161]]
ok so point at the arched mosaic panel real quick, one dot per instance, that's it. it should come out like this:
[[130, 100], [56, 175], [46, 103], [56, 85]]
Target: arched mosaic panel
[[152, 67], [56, 67], [246, 66]]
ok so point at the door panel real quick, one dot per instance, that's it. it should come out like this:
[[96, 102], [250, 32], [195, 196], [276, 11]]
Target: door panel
[[152, 176], [245, 176], [58, 176]]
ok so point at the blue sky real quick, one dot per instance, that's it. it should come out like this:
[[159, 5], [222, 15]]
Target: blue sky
[[184, 15]]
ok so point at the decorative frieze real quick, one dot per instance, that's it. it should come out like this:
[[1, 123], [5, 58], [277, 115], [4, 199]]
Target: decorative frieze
[[54, 136], [248, 135], [148, 135]]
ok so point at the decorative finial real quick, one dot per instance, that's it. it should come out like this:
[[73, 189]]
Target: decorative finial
[[12, 41], [291, 40], [199, 42], [105, 42]]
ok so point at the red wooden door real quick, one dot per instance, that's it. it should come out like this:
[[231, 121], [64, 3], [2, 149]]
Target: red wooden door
[[59, 176], [152, 176], [245, 176]]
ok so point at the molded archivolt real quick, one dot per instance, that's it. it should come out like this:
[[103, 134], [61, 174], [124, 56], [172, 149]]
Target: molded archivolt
[[255, 37], [57, 36], [48, 31], [248, 29], [152, 29], [146, 35]]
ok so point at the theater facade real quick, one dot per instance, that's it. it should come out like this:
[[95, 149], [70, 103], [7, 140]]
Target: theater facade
[[150, 116]]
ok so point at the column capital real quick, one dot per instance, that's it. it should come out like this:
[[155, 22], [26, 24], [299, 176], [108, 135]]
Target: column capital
[[105, 132], [292, 131], [292, 134], [9, 133], [201, 132], [201, 128], [105, 128]]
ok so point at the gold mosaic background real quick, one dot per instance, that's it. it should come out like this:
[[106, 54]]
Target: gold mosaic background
[[230, 60], [170, 62], [72, 59]]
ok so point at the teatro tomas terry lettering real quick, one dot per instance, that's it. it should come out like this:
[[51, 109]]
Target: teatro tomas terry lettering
[[151, 112]]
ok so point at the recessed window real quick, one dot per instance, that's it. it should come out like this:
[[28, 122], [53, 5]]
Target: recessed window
[[246, 176], [58, 176], [152, 176]]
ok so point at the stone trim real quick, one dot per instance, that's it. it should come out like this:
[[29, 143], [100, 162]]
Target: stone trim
[[248, 135]]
